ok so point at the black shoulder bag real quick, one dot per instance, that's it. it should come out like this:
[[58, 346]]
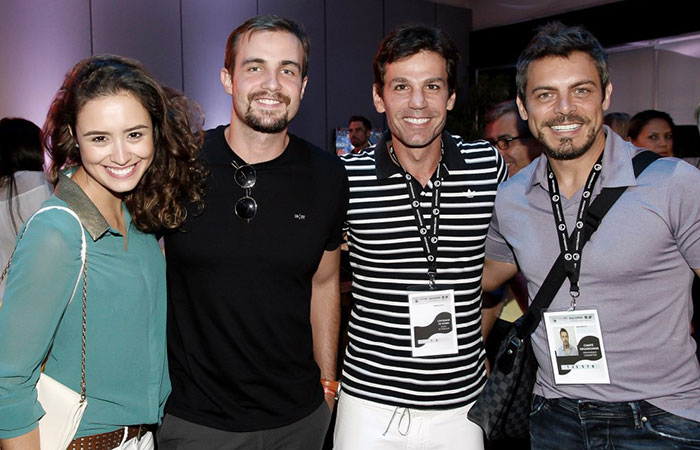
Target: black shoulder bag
[[502, 409]]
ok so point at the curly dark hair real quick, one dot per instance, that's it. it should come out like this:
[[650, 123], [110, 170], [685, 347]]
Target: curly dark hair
[[176, 177]]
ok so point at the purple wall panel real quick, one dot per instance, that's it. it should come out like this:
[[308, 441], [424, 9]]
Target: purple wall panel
[[353, 33], [182, 43], [398, 12], [204, 34], [147, 31], [310, 123], [457, 22], [39, 42]]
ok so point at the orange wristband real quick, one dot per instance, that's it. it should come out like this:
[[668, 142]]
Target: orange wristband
[[331, 387]]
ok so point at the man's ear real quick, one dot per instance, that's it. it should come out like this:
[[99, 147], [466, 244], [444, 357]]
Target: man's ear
[[226, 81], [608, 93], [378, 100], [303, 87], [451, 101], [521, 108]]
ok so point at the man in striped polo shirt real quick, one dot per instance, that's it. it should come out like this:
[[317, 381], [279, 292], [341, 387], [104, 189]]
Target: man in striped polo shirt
[[420, 205]]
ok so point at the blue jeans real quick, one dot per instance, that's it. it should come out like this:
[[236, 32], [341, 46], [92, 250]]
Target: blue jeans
[[563, 423]]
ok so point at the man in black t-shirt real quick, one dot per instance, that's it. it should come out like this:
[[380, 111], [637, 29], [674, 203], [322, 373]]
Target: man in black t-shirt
[[253, 280]]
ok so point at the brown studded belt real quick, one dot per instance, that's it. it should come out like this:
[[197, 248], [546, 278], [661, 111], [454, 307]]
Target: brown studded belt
[[108, 441]]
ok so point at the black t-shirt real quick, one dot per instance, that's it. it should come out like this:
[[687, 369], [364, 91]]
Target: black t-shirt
[[239, 334]]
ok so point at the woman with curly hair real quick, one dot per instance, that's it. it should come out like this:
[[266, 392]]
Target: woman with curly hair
[[124, 159]]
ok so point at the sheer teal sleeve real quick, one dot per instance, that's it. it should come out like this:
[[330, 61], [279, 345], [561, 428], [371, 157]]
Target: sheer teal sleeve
[[42, 277]]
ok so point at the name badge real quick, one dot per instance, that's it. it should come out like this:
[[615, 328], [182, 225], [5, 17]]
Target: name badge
[[576, 347], [433, 322]]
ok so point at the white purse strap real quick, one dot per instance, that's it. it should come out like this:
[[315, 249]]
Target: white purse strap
[[83, 272]]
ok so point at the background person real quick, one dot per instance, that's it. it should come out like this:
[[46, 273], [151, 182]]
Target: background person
[[619, 122], [653, 130], [506, 131], [23, 184], [359, 129], [119, 143]]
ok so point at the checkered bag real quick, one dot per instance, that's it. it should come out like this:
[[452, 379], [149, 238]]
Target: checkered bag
[[502, 409]]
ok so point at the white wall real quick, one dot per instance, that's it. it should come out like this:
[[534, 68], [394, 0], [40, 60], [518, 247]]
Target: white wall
[[649, 78], [679, 86], [632, 77]]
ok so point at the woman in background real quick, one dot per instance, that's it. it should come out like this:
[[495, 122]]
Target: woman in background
[[653, 130], [123, 153], [23, 184], [619, 122]]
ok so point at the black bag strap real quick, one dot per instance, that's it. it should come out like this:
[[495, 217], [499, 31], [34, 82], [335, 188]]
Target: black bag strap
[[594, 215]]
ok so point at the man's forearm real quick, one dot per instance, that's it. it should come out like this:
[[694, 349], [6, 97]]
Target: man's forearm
[[325, 316], [325, 324], [489, 315]]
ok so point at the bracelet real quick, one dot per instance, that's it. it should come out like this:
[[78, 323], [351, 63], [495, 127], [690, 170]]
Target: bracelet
[[331, 387]]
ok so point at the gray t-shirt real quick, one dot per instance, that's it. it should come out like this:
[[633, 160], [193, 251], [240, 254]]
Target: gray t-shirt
[[635, 270]]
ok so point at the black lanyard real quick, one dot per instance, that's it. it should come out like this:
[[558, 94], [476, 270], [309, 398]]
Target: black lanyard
[[429, 238], [571, 245]]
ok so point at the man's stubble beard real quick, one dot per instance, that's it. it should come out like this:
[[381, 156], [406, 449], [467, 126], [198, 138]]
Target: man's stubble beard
[[566, 150], [265, 123], [258, 123]]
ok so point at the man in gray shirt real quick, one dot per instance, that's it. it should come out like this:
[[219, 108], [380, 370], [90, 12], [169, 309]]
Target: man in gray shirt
[[634, 275]]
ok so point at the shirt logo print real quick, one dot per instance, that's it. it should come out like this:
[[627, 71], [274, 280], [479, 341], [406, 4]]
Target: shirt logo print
[[300, 216]]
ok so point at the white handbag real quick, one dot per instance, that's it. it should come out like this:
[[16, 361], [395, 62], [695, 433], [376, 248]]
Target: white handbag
[[63, 406], [64, 410]]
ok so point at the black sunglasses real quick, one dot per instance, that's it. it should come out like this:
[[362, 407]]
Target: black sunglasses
[[504, 143], [246, 206]]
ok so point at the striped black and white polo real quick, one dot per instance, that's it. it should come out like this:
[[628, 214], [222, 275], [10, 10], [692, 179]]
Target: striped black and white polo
[[387, 256]]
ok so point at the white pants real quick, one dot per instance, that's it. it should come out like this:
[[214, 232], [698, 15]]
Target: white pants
[[145, 443], [366, 425]]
